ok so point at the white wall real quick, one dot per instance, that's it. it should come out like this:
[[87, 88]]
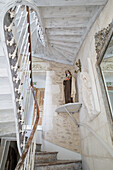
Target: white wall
[[63, 154], [95, 156], [58, 129], [39, 78]]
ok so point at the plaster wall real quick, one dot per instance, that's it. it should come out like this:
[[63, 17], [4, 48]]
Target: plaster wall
[[58, 129], [94, 155], [39, 79]]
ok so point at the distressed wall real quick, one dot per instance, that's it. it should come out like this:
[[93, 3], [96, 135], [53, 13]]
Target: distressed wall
[[58, 129], [95, 156]]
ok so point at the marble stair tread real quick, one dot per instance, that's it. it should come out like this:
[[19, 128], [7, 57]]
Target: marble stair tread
[[5, 89], [45, 153], [41, 157], [6, 101], [6, 115], [4, 81], [3, 62], [10, 136], [57, 162], [6, 106], [3, 72], [38, 147], [7, 128], [38, 144], [1, 150], [7, 135]]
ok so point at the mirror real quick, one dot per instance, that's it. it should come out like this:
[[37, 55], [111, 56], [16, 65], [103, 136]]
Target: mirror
[[106, 66]]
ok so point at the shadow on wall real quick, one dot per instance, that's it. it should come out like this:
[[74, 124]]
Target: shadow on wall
[[84, 164]]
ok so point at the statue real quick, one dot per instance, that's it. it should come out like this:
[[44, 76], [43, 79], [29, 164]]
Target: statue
[[67, 87]]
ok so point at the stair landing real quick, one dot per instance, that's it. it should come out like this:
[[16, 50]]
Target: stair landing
[[59, 164], [48, 161]]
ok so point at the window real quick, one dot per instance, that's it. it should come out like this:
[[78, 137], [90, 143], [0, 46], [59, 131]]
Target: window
[[106, 66]]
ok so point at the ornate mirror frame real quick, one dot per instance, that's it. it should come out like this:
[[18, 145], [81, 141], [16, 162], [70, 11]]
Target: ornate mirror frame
[[102, 40]]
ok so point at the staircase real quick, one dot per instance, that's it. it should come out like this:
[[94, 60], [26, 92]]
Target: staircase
[[7, 119], [16, 72], [4, 148], [48, 160]]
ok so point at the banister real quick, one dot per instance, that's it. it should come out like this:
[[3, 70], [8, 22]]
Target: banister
[[25, 151], [29, 40], [21, 70], [78, 124]]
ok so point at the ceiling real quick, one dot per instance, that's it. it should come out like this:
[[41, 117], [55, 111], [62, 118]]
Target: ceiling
[[66, 24]]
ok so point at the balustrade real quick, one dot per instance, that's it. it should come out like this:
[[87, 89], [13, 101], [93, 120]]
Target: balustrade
[[18, 39]]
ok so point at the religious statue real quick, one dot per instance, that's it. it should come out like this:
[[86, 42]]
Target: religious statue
[[67, 86], [69, 89]]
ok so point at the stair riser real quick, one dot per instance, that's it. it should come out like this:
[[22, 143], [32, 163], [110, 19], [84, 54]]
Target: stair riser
[[5, 101], [1, 150], [38, 147], [5, 90], [4, 81], [5, 97], [3, 73], [3, 62], [72, 166], [45, 158], [7, 128], [6, 112], [7, 117], [1, 48], [6, 105]]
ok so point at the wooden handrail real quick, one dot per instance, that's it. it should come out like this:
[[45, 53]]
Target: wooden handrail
[[27, 146], [25, 151], [34, 107], [22, 80], [29, 40]]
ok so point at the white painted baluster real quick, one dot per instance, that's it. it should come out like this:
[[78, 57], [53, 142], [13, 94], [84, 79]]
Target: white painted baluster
[[22, 68], [20, 18], [26, 34], [17, 10], [23, 55]]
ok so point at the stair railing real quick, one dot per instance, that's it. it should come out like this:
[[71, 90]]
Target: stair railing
[[18, 39], [78, 124], [27, 159]]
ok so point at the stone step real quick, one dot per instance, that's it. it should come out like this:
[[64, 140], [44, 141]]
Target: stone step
[[59, 164], [38, 147], [6, 115], [4, 81], [5, 89], [45, 156], [2, 142], [5, 96], [1, 150], [6, 106], [6, 102], [3, 72], [1, 47], [3, 62], [7, 128], [10, 137]]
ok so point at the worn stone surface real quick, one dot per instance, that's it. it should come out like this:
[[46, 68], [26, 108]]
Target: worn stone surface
[[94, 154], [41, 157], [38, 147], [58, 129], [58, 165]]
